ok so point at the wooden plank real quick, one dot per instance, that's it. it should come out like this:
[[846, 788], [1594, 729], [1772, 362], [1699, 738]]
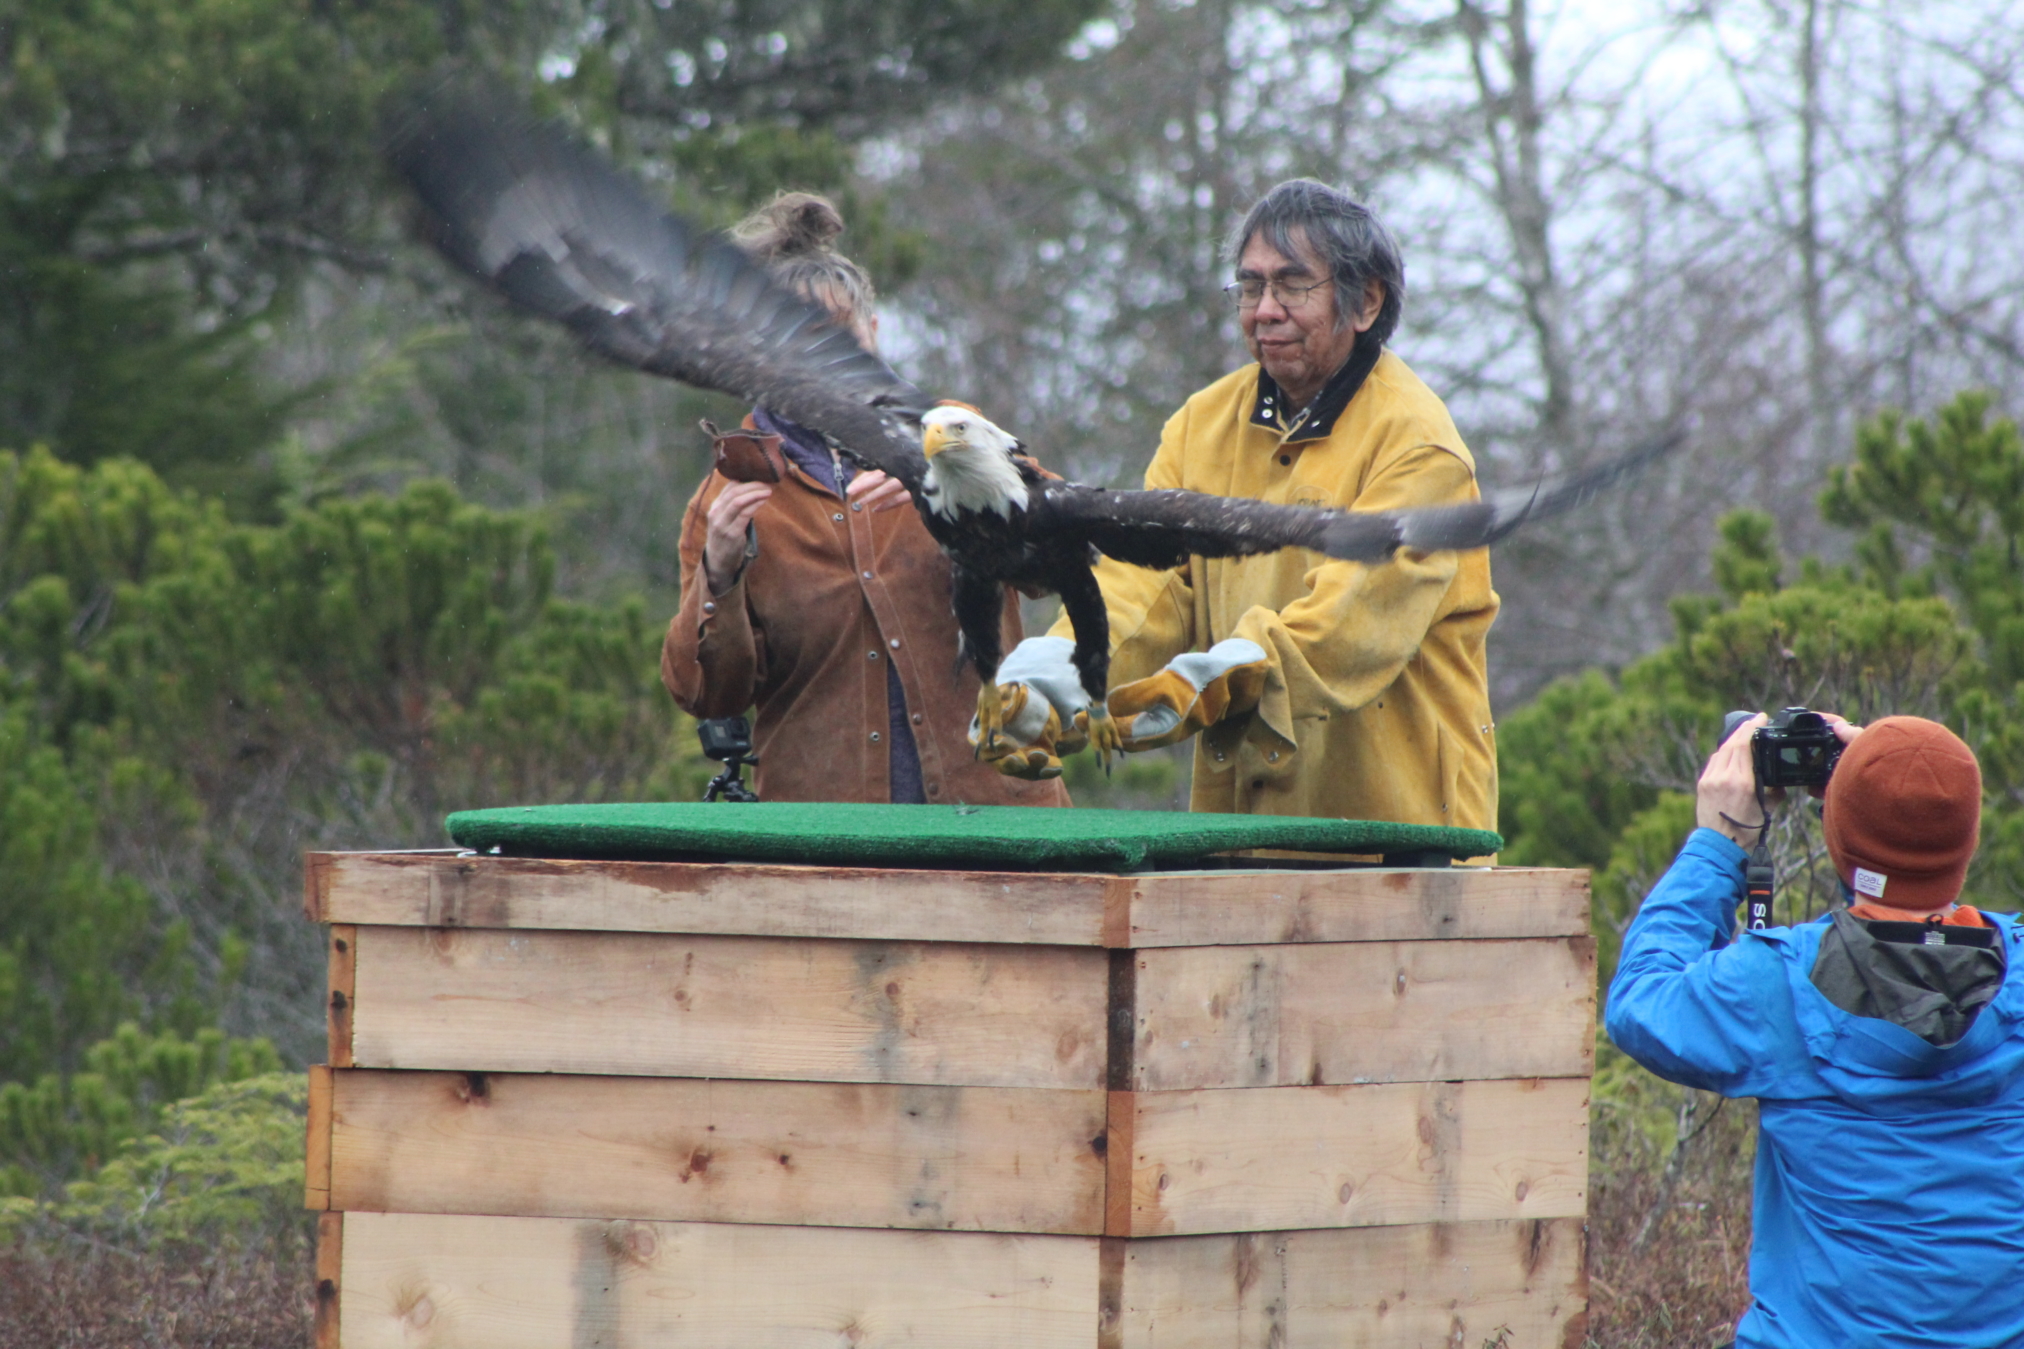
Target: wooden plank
[[327, 1326], [1121, 1112], [343, 992], [315, 885], [955, 1014], [1266, 907], [724, 899], [1468, 1284], [1110, 1293], [1307, 1157], [1202, 908], [821, 1154], [1121, 1020], [1336, 1013], [1119, 894], [415, 1281], [316, 1144]]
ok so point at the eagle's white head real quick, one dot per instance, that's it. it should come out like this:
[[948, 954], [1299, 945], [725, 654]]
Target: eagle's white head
[[970, 464]]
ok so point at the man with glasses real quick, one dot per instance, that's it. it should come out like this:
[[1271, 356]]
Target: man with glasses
[[1319, 687]]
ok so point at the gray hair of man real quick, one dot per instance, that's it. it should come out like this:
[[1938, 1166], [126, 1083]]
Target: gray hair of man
[[790, 237], [1352, 243]]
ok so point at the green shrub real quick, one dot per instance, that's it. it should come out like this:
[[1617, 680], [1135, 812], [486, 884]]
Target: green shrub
[[222, 1168], [65, 1125], [1929, 621]]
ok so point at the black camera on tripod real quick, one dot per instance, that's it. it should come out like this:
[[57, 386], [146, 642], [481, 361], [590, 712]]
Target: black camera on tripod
[[1796, 748], [728, 740]]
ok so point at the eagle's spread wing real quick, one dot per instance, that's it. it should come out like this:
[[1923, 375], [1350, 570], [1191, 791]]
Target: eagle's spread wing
[[527, 209], [1165, 528]]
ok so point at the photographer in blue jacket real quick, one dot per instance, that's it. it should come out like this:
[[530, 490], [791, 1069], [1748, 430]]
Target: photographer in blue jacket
[[1884, 1044]]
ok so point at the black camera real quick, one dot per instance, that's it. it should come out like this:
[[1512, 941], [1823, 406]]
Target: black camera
[[1796, 748], [725, 738], [728, 740]]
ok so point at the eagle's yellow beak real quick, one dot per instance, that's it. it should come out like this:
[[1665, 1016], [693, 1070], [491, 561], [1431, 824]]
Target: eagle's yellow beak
[[935, 438]]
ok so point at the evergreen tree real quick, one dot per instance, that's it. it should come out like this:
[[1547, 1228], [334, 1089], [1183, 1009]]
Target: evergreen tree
[[62, 1125], [172, 173], [187, 703], [1928, 621]]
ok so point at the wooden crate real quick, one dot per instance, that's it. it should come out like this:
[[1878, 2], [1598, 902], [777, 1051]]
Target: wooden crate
[[736, 1106]]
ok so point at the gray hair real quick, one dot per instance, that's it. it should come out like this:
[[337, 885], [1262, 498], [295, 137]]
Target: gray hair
[[790, 237], [1352, 243]]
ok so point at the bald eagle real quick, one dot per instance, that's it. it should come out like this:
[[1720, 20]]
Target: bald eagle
[[524, 207]]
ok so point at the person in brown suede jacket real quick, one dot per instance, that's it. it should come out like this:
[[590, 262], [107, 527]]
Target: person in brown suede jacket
[[821, 601]]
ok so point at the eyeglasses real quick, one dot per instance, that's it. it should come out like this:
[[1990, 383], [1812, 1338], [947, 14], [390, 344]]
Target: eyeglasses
[[1248, 292]]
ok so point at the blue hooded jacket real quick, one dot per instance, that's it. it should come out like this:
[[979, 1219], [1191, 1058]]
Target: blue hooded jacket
[[1889, 1205]]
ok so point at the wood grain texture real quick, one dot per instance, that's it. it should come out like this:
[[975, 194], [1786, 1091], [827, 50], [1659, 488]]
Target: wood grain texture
[[821, 1154], [1118, 1159], [1421, 1285], [316, 1141], [1234, 908], [954, 1014], [315, 884], [719, 899], [1110, 1293], [1338, 1013], [1201, 908], [1309, 1157], [343, 964], [425, 1281], [448, 1282], [326, 1329]]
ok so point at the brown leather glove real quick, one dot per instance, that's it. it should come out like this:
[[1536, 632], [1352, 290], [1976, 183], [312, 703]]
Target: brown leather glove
[[1195, 691], [1042, 711]]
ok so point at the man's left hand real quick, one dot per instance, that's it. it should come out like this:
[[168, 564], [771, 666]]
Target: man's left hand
[[1195, 691], [878, 492]]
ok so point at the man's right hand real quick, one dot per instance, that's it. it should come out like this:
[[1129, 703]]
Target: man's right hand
[[1725, 800], [724, 543], [1044, 711]]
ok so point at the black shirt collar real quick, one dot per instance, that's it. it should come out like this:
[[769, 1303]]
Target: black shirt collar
[[1317, 419]]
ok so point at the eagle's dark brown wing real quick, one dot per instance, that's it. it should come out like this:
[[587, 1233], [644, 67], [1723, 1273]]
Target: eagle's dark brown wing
[[523, 206], [1165, 528]]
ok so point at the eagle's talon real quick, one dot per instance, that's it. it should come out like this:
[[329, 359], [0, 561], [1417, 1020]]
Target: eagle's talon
[[990, 720], [1106, 737]]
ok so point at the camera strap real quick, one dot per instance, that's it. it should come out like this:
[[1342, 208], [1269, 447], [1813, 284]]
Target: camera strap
[[1760, 877], [1760, 880]]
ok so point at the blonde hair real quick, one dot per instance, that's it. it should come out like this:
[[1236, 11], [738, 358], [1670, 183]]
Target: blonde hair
[[790, 237]]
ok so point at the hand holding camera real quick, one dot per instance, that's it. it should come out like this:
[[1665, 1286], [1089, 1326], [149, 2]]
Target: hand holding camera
[[1748, 773]]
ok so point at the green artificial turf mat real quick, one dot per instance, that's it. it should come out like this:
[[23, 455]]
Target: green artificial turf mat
[[1014, 837]]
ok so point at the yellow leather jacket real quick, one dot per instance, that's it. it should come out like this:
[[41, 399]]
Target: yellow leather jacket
[[1376, 705]]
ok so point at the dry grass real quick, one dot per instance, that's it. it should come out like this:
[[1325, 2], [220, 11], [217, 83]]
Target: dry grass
[[1669, 1230], [106, 1298]]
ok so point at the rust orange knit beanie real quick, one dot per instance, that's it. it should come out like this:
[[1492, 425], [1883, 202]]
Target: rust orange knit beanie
[[1903, 814]]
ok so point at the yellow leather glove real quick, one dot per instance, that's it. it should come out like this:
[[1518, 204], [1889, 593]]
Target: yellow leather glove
[[1043, 712], [1195, 691]]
